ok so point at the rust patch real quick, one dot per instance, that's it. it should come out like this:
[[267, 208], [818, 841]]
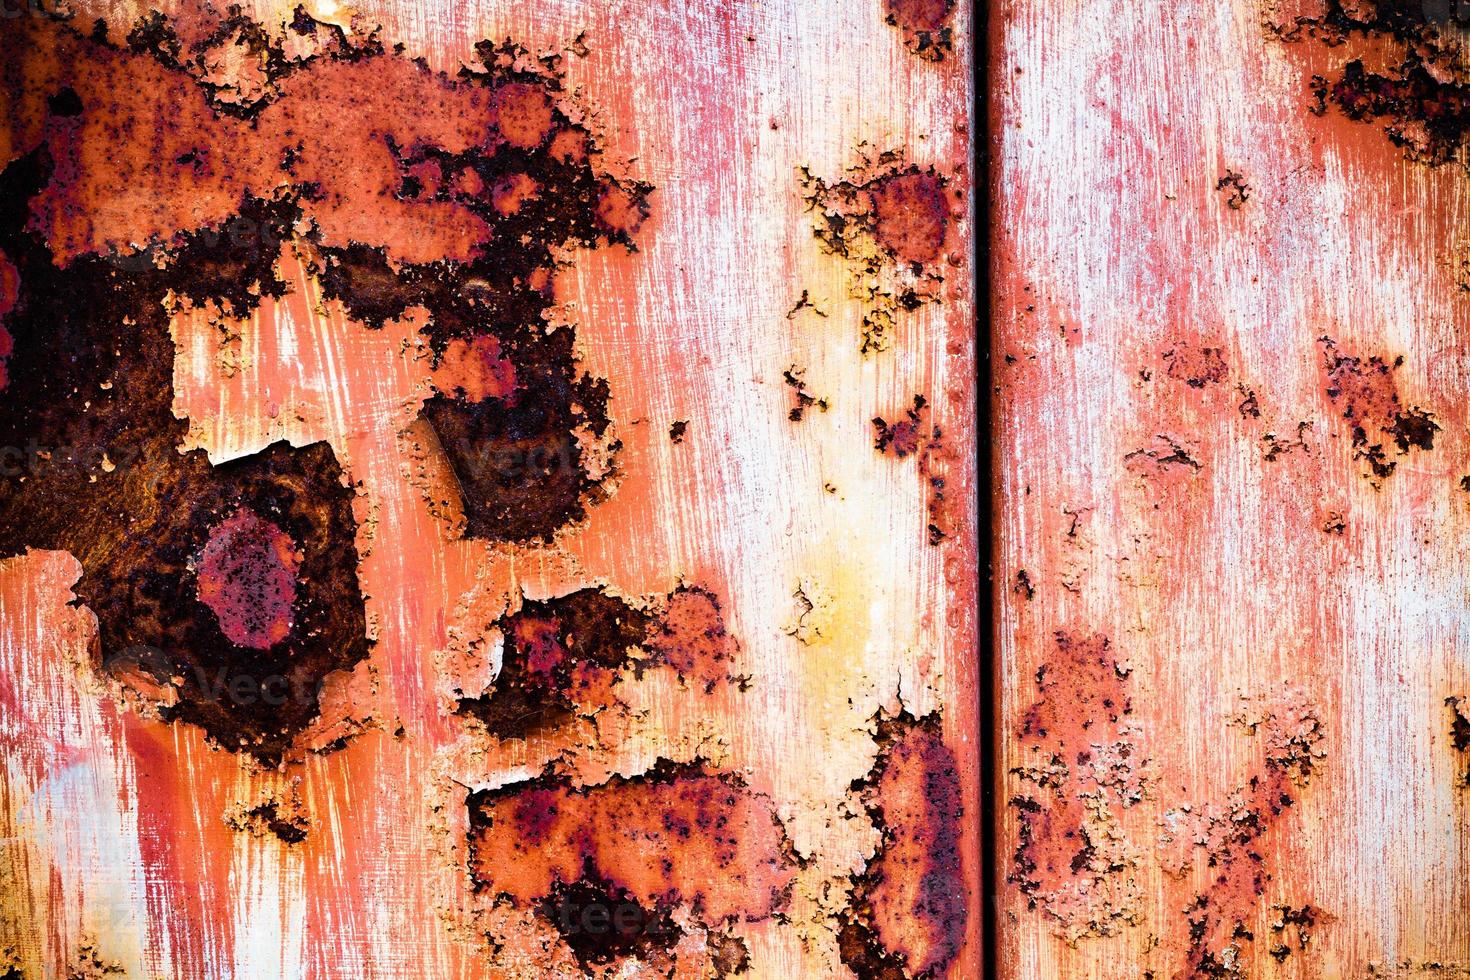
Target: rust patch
[[1460, 731], [1365, 393], [1236, 190], [908, 911], [1085, 765], [805, 397], [464, 207], [567, 654], [926, 25], [891, 221], [247, 576], [915, 434], [92, 468], [1292, 929], [1165, 457], [1232, 836], [229, 593], [279, 815], [1196, 365], [1416, 91], [612, 864]]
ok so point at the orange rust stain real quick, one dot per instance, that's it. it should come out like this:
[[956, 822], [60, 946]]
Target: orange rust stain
[[690, 637], [475, 369], [912, 895], [666, 839], [910, 215]]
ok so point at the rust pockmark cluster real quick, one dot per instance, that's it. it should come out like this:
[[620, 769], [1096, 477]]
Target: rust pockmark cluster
[[909, 911], [915, 434], [609, 866], [1232, 184], [1365, 393], [927, 25], [567, 654], [1292, 929], [1084, 766], [1232, 837], [891, 221]]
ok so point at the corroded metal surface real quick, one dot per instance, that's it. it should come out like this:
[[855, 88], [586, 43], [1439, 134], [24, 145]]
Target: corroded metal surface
[[487, 490], [1228, 343]]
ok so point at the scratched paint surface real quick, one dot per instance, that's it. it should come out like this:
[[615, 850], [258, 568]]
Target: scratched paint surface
[[488, 491], [1231, 311]]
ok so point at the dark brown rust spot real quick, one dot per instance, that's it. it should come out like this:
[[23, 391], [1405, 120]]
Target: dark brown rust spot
[[1460, 731], [567, 652], [916, 435], [805, 397]]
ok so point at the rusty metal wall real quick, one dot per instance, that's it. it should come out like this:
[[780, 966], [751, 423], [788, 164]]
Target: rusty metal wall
[[1229, 354]]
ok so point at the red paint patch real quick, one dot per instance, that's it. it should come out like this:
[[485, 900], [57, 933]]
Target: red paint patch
[[247, 576]]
